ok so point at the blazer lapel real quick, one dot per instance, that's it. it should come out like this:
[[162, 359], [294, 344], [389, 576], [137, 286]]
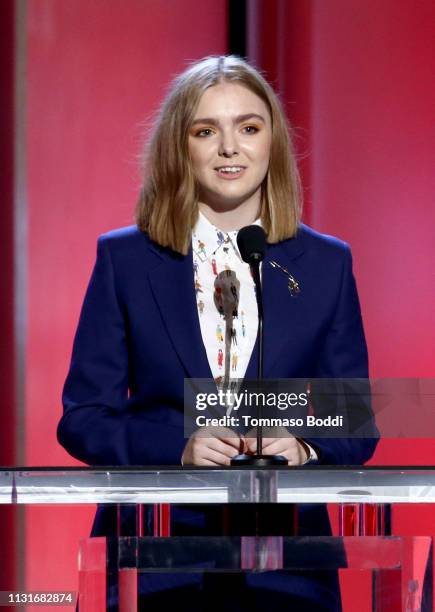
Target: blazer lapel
[[172, 284], [277, 303]]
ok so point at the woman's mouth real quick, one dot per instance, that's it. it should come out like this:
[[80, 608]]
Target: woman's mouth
[[230, 172]]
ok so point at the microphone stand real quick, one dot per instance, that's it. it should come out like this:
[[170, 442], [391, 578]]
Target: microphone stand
[[265, 517], [259, 460]]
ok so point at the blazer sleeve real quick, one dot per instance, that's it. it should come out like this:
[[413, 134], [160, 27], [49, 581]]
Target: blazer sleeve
[[98, 426], [344, 356]]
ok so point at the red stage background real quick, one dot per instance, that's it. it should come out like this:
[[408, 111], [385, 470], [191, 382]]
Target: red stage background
[[356, 78]]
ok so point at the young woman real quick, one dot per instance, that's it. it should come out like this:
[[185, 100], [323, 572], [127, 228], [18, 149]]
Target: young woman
[[220, 158]]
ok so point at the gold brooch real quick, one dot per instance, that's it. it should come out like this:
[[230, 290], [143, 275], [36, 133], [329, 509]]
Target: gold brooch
[[293, 285]]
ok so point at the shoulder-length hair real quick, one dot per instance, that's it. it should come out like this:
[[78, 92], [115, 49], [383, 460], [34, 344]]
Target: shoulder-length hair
[[168, 205]]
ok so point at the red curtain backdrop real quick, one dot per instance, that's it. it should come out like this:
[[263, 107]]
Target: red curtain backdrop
[[96, 73]]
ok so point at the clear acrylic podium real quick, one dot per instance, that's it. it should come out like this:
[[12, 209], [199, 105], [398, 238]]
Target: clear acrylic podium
[[401, 567]]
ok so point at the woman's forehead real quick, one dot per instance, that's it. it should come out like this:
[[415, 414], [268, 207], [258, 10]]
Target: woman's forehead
[[230, 99]]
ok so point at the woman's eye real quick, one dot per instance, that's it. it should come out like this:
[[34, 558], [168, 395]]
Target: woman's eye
[[204, 132], [250, 129]]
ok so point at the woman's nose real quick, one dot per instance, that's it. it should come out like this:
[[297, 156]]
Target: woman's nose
[[228, 145]]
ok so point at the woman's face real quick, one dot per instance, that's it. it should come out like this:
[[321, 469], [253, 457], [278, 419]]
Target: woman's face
[[229, 145]]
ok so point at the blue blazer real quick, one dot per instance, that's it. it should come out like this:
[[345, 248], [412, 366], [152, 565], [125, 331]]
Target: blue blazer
[[139, 336]]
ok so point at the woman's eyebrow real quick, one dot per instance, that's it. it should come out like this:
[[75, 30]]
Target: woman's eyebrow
[[238, 119]]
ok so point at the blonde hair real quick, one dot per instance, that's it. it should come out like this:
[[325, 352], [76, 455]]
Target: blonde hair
[[168, 205]]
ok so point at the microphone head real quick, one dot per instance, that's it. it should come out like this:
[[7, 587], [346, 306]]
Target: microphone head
[[251, 241]]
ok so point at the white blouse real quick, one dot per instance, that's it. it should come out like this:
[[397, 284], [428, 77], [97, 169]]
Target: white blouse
[[225, 296]]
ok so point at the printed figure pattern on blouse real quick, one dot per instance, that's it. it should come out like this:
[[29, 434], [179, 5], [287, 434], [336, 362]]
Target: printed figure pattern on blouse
[[226, 302]]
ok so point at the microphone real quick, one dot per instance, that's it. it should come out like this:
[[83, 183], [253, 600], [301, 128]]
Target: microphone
[[251, 241]]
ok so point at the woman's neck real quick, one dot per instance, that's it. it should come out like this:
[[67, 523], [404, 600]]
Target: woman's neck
[[231, 220]]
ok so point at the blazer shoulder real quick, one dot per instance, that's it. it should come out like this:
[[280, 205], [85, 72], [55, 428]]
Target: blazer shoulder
[[128, 249], [126, 241], [130, 234], [324, 244]]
